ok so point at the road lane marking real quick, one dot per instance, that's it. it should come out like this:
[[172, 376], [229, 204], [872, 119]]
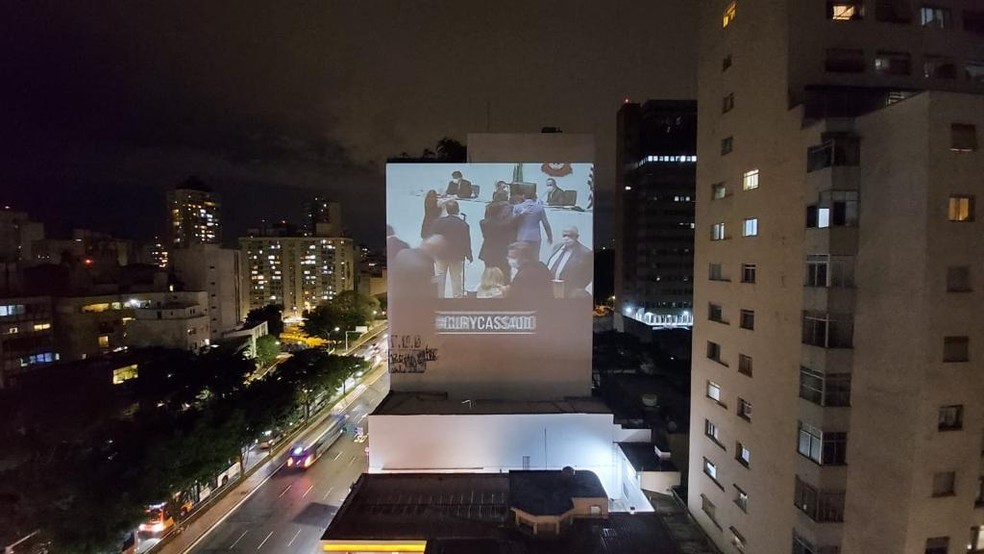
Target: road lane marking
[[363, 417], [295, 537], [264, 540], [233, 545], [306, 493], [337, 454], [352, 460], [285, 491], [325, 497]]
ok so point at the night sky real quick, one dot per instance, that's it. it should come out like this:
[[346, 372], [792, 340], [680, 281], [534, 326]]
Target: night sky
[[104, 105]]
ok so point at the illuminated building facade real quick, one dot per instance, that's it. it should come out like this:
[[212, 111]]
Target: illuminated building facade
[[837, 377], [296, 272], [194, 216], [25, 335], [656, 171]]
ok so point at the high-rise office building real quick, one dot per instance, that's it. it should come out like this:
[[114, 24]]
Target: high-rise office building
[[655, 172], [324, 218], [193, 213], [837, 365]]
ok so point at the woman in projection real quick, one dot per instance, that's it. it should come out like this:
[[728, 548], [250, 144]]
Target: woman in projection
[[493, 283], [432, 211]]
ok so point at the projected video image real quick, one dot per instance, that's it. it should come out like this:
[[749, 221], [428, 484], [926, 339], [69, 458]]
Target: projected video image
[[490, 231]]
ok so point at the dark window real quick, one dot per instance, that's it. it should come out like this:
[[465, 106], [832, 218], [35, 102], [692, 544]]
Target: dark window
[[747, 319], [963, 137], [726, 63], [838, 150], [956, 349], [950, 418], [714, 351], [943, 483], [748, 273], [742, 454], [893, 11], [728, 103], [938, 545], [714, 272], [934, 16], [834, 449], [939, 67], [715, 313], [893, 63], [727, 145], [844, 60], [825, 389], [745, 364], [744, 409], [973, 21], [958, 279]]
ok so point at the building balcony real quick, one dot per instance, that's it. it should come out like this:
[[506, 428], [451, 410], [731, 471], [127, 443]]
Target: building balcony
[[841, 240], [828, 299]]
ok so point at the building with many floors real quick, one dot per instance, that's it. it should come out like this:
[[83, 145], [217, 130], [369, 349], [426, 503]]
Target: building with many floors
[[215, 270], [656, 167], [837, 364], [26, 338], [193, 215]]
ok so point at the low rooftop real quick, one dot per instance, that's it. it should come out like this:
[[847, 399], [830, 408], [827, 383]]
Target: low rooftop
[[643, 457], [551, 492], [438, 403]]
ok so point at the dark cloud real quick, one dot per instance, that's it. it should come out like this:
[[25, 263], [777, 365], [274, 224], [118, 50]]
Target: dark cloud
[[273, 101]]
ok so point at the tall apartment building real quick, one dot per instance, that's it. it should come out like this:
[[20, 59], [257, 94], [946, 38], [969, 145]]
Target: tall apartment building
[[25, 335], [655, 192], [837, 369], [193, 213], [296, 272]]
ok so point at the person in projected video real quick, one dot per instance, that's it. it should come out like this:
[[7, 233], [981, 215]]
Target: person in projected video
[[432, 211], [458, 236], [460, 187], [532, 281], [572, 263], [555, 195], [498, 231], [529, 216], [412, 269], [393, 243], [493, 284]]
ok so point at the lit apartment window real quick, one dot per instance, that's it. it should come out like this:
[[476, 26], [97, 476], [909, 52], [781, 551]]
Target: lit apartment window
[[956, 349], [742, 454], [893, 11], [711, 432], [977, 532], [710, 469], [938, 545], [729, 14], [750, 180], [746, 319], [845, 10], [961, 208], [844, 60], [939, 67], [934, 16], [825, 389], [727, 145], [963, 137], [973, 21], [950, 418], [737, 539], [835, 208], [750, 227], [744, 409], [708, 508], [943, 483], [104, 341], [958, 279], [745, 365], [893, 63], [728, 103], [718, 191], [714, 391], [741, 498], [726, 62], [717, 231], [810, 442], [748, 273]]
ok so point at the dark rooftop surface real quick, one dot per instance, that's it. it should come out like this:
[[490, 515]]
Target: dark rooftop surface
[[550, 492], [418, 403], [460, 513], [643, 458]]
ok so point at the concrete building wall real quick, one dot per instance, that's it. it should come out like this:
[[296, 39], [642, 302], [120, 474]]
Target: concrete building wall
[[216, 271]]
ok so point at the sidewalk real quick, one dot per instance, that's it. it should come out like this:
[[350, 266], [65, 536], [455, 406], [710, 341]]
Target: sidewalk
[[186, 535]]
